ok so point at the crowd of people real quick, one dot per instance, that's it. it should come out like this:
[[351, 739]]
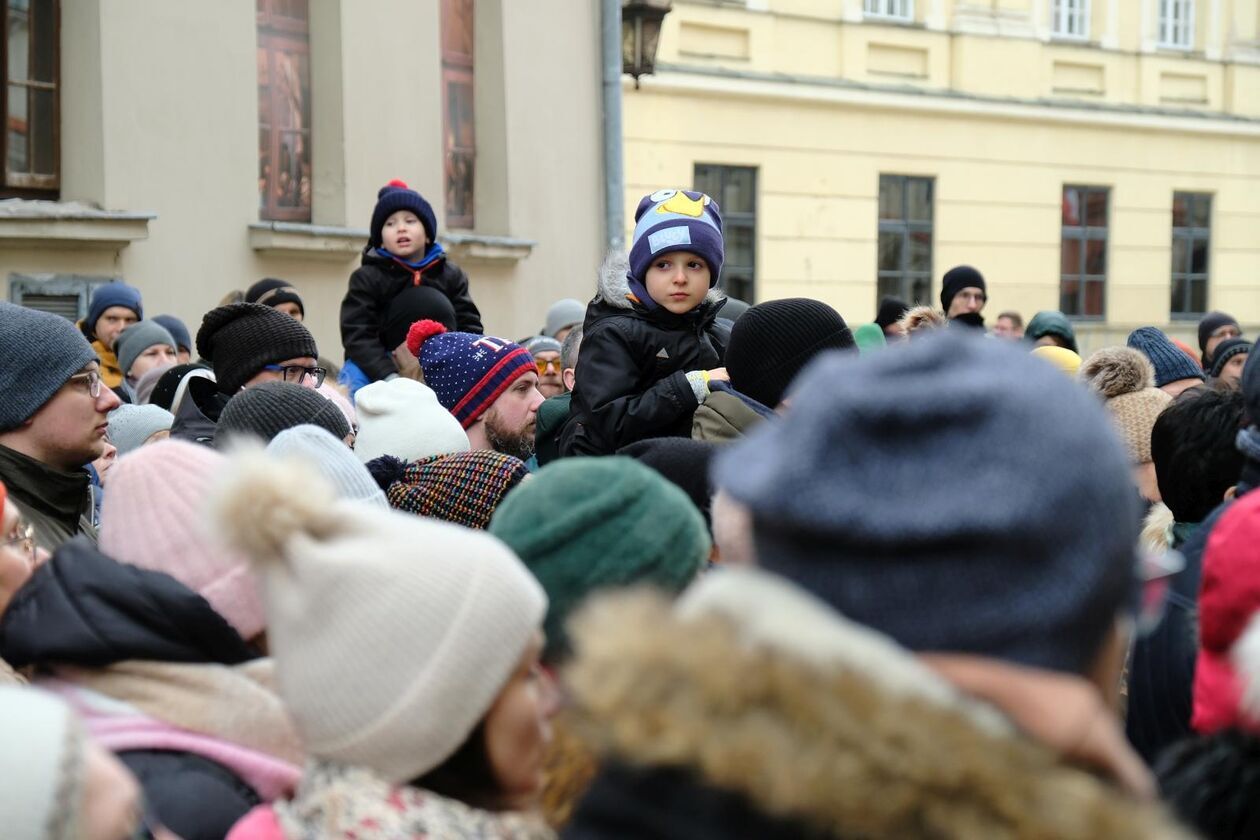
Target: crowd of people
[[675, 567]]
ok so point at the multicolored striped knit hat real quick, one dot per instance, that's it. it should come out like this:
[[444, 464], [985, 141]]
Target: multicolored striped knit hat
[[467, 372], [464, 488]]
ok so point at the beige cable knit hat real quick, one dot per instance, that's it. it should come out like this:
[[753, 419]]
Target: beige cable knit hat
[[393, 635], [1125, 379]]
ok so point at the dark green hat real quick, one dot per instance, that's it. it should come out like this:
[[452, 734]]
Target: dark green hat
[[583, 524]]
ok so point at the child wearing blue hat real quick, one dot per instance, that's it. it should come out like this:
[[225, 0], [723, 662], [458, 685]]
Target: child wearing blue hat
[[651, 342], [402, 252]]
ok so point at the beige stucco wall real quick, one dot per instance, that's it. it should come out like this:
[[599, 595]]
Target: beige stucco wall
[[823, 103], [160, 115]]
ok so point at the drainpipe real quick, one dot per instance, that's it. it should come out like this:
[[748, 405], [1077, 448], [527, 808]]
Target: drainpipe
[[614, 177]]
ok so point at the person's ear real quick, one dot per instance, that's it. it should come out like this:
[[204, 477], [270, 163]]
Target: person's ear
[[569, 375]]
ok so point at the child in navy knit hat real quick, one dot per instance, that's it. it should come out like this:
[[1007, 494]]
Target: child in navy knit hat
[[402, 252], [651, 343]]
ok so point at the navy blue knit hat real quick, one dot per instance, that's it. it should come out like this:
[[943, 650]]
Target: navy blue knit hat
[[1209, 324], [1169, 361], [1027, 556], [112, 294], [38, 353], [179, 332], [467, 372], [674, 220], [395, 196]]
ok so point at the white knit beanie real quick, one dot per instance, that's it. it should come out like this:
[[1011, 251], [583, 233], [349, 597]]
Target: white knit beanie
[[393, 635], [41, 763], [316, 446], [403, 418]]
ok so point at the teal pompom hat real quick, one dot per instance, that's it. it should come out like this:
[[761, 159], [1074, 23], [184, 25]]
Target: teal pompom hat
[[585, 524]]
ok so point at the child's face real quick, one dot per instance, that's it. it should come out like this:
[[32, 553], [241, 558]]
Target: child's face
[[678, 281], [403, 234]]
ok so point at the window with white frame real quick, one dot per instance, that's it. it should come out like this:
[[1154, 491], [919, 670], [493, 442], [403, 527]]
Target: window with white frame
[[889, 9], [1070, 19], [1176, 24]]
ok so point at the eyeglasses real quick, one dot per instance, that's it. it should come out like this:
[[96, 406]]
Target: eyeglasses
[[93, 380], [545, 365], [24, 540], [298, 374]]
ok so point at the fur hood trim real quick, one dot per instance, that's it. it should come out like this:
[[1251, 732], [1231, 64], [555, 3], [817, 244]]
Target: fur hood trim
[[922, 318], [1156, 533], [762, 690], [614, 285], [1114, 371]]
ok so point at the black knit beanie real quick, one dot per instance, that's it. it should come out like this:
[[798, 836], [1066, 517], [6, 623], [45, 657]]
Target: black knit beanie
[[681, 461], [1226, 350], [269, 408], [239, 339], [415, 303], [272, 292], [773, 340], [958, 278], [890, 311]]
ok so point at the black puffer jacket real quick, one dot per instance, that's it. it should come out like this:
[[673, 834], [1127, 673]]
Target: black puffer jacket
[[631, 373], [377, 282], [82, 608]]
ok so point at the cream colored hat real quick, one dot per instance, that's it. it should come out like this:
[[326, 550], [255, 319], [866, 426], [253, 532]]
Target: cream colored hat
[[403, 418], [392, 634]]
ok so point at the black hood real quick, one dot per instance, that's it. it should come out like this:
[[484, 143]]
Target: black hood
[[83, 608]]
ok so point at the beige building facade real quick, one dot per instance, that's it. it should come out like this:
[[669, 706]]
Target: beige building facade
[[203, 146], [1096, 156]]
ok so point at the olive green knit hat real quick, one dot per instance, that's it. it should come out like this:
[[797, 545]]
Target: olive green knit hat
[[582, 524]]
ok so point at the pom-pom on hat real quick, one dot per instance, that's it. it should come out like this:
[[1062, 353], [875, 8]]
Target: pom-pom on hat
[[431, 619], [675, 220], [403, 418], [467, 372], [43, 765], [464, 488], [1126, 380], [395, 196]]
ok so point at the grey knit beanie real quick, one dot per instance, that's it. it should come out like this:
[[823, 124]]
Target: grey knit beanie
[[131, 425], [316, 446], [38, 353], [957, 495], [139, 337], [266, 410]]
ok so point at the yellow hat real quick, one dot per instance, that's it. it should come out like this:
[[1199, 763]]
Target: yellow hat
[[1061, 357]]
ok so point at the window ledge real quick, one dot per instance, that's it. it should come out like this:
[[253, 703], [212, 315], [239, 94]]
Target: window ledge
[[476, 247], [298, 239], [69, 224]]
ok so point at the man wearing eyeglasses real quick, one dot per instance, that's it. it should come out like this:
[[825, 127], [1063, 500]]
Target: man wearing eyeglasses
[[546, 353], [53, 421]]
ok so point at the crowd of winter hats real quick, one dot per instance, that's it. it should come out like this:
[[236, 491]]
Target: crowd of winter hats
[[908, 545]]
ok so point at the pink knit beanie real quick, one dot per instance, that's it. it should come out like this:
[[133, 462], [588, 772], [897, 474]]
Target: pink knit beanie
[[153, 517]]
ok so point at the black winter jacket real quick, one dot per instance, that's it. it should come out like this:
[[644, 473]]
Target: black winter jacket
[[82, 608], [377, 282], [631, 372]]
